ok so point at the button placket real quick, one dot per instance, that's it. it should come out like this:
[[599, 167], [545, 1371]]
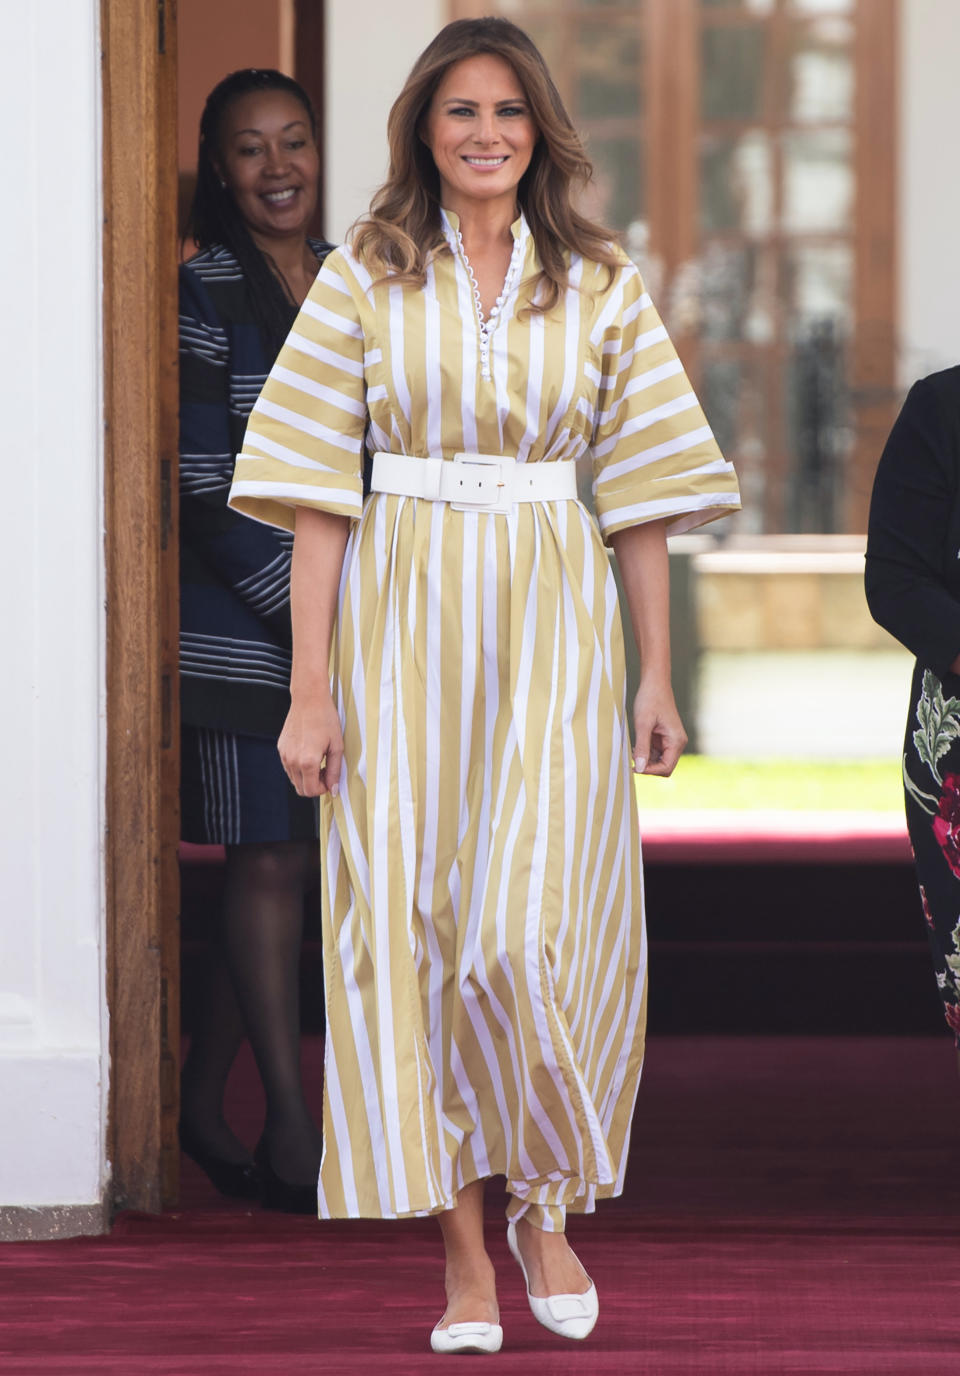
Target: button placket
[[486, 327]]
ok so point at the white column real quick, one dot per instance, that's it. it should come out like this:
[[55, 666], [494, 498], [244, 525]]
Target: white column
[[370, 48], [53, 1033], [929, 189]]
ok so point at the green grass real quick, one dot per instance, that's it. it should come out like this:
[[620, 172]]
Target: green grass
[[805, 785]]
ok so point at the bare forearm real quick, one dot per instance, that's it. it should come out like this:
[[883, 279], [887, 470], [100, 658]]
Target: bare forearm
[[311, 742], [644, 568], [318, 549], [659, 735]]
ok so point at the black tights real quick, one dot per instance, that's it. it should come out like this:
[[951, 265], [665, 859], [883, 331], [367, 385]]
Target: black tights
[[253, 989]]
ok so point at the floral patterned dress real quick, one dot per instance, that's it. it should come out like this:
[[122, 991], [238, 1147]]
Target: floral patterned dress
[[931, 780], [913, 589]]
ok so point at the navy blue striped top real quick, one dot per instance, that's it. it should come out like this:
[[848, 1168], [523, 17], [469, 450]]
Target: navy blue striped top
[[234, 572]]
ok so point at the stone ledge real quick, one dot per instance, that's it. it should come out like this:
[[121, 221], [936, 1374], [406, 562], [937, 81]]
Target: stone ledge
[[775, 595], [45, 1223], [780, 561]]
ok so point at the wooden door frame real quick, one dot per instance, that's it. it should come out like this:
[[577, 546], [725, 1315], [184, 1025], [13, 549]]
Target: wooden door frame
[[140, 343], [139, 84]]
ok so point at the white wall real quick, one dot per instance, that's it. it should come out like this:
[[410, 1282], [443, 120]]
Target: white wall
[[52, 1006], [370, 47], [929, 192]]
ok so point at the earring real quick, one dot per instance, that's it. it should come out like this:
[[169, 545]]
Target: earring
[[223, 184]]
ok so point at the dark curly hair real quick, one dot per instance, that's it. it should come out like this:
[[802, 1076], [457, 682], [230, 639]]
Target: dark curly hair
[[214, 217]]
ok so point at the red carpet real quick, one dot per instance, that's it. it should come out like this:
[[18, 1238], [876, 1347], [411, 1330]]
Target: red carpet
[[738, 838], [769, 837], [793, 1207]]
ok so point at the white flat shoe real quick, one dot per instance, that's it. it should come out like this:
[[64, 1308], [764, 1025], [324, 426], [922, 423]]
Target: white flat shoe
[[467, 1337], [571, 1316]]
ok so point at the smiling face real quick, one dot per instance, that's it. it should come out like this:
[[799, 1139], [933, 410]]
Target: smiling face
[[268, 159], [480, 131]]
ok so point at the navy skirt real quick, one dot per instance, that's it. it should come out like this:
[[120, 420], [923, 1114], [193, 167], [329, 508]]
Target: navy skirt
[[233, 791]]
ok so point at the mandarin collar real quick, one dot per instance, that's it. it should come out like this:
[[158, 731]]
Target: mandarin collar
[[450, 221]]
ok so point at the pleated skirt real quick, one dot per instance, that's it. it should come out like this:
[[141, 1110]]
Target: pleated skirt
[[483, 926]]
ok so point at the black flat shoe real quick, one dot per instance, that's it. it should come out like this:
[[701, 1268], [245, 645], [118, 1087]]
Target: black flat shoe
[[279, 1194], [233, 1179]]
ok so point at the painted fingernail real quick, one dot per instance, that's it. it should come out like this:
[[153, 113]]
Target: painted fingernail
[[639, 764]]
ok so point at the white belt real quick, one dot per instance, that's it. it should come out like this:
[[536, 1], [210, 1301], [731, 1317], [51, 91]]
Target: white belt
[[475, 482]]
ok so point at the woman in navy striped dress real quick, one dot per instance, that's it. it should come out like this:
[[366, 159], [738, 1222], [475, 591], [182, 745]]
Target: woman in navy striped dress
[[257, 181]]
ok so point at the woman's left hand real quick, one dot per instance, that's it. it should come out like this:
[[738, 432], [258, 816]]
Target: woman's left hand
[[660, 737]]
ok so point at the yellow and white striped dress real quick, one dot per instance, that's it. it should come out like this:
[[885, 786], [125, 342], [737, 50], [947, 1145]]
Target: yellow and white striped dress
[[483, 926]]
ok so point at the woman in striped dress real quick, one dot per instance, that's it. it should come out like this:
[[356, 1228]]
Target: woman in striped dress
[[257, 179], [484, 938]]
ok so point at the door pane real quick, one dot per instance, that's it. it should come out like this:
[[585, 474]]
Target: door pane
[[822, 6], [820, 73], [608, 71], [819, 286], [617, 193], [737, 293], [817, 180], [745, 6], [817, 425], [732, 72], [736, 184]]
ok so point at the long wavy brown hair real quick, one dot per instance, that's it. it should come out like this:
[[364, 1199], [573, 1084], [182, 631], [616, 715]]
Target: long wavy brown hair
[[403, 226]]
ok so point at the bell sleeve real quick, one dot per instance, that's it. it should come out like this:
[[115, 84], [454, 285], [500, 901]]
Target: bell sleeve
[[304, 440], [654, 455]]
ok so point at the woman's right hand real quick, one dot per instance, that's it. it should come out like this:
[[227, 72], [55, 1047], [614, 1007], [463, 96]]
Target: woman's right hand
[[311, 747]]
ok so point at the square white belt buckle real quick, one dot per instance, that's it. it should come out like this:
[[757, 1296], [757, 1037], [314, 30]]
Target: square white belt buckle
[[475, 483]]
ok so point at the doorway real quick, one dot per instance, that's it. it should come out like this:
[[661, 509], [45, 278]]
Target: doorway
[[141, 176]]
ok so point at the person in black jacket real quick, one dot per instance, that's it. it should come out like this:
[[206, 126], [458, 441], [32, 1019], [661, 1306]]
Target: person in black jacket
[[257, 183], [913, 590]]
